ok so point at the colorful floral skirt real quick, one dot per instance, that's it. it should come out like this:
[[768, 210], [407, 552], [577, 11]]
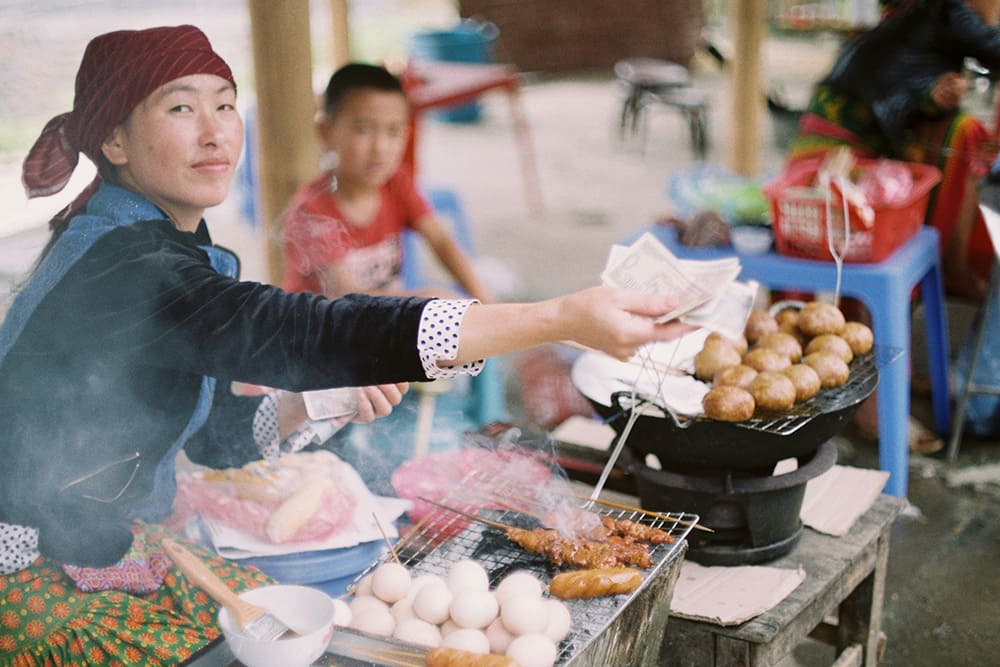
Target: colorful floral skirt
[[45, 620]]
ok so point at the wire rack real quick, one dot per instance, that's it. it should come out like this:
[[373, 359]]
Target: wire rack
[[860, 383], [444, 538]]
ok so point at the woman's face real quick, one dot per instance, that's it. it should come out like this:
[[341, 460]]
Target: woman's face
[[369, 136], [988, 10], [179, 147]]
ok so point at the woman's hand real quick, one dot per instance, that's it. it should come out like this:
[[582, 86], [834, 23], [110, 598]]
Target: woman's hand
[[949, 90], [378, 401], [617, 322]]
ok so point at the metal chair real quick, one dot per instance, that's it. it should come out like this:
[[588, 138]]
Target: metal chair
[[990, 302], [649, 81]]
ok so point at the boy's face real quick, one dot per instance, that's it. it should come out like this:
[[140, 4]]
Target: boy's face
[[369, 136]]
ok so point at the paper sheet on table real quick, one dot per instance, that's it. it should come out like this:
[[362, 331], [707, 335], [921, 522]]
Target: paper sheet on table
[[834, 500], [731, 595], [585, 432], [235, 544]]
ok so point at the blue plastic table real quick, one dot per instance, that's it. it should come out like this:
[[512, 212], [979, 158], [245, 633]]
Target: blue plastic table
[[885, 289]]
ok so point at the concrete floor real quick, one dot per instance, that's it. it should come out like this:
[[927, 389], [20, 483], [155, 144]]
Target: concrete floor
[[942, 597]]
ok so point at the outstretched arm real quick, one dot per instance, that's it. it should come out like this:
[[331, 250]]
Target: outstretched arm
[[616, 322]]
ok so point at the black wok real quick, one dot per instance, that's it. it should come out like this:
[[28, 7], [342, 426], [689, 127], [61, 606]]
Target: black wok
[[692, 443]]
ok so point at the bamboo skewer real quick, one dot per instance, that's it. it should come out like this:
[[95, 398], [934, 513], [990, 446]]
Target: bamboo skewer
[[666, 517], [468, 515], [659, 515], [392, 549]]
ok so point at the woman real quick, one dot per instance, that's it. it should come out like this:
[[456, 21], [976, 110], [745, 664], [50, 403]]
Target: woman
[[895, 92], [120, 350]]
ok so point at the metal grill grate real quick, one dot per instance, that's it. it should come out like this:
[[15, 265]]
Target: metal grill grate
[[861, 381], [444, 538]]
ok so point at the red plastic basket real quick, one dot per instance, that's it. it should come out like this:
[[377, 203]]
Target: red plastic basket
[[799, 216]]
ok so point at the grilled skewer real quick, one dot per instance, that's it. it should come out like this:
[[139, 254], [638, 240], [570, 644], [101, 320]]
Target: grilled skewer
[[578, 553]]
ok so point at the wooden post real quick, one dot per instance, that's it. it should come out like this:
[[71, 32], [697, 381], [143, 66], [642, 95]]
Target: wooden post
[[748, 18], [287, 144], [341, 51]]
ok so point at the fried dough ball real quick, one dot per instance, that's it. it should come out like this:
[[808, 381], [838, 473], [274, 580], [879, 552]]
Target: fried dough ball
[[817, 318], [787, 318], [759, 323], [715, 355], [859, 337], [765, 359], [728, 403], [831, 369], [783, 343], [806, 381], [773, 391], [741, 344], [831, 343], [735, 376]]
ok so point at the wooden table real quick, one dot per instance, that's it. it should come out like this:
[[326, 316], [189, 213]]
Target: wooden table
[[845, 578], [437, 85]]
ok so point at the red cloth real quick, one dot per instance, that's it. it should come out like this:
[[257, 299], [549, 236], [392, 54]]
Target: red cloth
[[119, 70], [317, 234]]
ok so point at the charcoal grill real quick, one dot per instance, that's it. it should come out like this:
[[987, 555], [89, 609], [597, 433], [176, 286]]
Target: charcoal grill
[[724, 472], [616, 630]]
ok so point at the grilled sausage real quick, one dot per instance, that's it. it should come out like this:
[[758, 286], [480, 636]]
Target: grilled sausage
[[453, 657], [595, 583]]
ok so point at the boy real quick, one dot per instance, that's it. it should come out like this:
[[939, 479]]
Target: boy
[[342, 230]]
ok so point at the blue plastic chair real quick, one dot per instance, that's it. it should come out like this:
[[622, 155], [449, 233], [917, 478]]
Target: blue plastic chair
[[885, 288], [488, 401]]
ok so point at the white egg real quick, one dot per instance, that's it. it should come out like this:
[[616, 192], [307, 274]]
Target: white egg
[[391, 582], [525, 614], [362, 603], [500, 638], [365, 585], [518, 583], [532, 651], [415, 631], [560, 620], [467, 639], [431, 604], [341, 613], [468, 575], [448, 627], [374, 621], [423, 580], [402, 609], [473, 609]]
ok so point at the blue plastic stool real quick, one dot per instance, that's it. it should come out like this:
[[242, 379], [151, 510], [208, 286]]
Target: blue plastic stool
[[885, 289], [488, 400]]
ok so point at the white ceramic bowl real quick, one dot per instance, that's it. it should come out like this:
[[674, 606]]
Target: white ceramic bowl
[[309, 612], [751, 239]]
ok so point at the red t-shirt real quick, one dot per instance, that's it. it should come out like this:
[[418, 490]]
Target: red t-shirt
[[316, 234]]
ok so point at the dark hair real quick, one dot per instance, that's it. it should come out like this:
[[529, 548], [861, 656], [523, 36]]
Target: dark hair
[[357, 76]]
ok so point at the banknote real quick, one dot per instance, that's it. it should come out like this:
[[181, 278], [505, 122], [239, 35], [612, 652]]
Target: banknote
[[706, 291]]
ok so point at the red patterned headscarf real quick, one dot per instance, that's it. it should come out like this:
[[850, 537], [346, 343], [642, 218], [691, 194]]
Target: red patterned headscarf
[[119, 69]]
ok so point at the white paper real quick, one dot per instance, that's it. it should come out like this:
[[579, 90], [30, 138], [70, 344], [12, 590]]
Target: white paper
[[236, 544]]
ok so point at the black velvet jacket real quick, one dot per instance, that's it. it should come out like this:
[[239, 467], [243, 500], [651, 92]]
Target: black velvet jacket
[[893, 66], [109, 367]]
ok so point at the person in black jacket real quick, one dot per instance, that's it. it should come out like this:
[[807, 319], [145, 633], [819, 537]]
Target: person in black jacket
[[895, 91], [120, 349]]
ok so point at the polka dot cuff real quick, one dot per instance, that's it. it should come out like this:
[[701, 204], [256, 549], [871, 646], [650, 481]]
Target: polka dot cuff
[[438, 338]]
